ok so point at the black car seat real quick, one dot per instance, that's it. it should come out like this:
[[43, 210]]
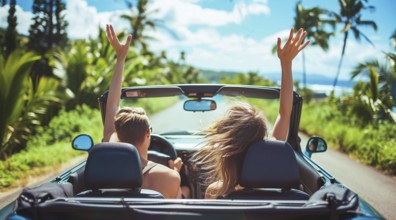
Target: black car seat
[[76, 178], [114, 170], [269, 172]]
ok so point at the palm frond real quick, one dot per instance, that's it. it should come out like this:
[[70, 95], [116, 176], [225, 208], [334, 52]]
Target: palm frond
[[367, 23]]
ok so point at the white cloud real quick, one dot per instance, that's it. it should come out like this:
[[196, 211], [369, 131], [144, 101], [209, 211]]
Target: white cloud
[[84, 20], [207, 48], [24, 19], [325, 63], [205, 45], [186, 13]]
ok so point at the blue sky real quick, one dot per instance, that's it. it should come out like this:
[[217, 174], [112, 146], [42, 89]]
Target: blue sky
[[229, 34]]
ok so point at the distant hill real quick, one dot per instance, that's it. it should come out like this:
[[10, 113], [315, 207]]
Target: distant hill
[[214, 76]]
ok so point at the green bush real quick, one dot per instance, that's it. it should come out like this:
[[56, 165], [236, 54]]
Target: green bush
[[373, 145], [51, 146], [68, 124]]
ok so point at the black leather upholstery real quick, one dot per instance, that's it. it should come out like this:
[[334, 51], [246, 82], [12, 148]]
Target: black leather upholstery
[[311, 180], [114, 170], [113, 165], [269, 171], [268, 194], [118, 193]]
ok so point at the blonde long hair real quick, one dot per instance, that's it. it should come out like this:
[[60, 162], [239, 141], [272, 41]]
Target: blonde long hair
[[220, 159]]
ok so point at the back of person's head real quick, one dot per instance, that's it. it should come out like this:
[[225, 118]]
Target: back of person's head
[[227, 141], [241, 125], [131, 125]]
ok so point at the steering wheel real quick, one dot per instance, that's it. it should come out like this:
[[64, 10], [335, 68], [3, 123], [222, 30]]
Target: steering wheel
[[161, 150]]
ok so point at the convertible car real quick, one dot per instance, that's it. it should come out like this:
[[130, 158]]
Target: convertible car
[[279, 179]]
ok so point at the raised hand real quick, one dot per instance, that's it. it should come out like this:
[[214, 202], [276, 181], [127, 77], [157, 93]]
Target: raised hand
[[121, 49], [293, 45], [286, 55]]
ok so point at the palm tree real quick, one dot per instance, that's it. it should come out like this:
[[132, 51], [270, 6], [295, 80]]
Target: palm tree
[[21, 107], [310, 19], [378, 95], [142, 21], [370, 69], [373, 101], [391, 56], [350, 15]]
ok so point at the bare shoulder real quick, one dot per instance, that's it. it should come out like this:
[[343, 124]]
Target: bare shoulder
[[212, 190], [164, 180], [162, 173]]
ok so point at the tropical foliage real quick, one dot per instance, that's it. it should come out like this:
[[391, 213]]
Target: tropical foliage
[[372, 100], [51, 141], [11, 33], [371, 144], [250, 78], [23, 108], [350, 16], [81, 73]]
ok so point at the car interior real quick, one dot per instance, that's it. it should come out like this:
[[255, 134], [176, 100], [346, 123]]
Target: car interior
[[271, 170], [303, 180]]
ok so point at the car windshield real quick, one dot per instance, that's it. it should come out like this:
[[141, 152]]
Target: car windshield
[[167, 115]]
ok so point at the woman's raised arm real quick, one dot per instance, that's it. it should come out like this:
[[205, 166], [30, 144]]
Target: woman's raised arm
[[286, 55], [113, 97]]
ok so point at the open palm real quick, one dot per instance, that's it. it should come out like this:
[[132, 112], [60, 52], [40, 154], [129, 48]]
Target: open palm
[[121, 49], [293, 45]]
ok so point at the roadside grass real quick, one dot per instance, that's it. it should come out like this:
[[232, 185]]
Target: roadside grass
[[372, 145], [51, 147]]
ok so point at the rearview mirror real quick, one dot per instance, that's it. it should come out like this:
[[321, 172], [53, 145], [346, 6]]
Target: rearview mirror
[[200, 105], [82, 142], [315, 144]]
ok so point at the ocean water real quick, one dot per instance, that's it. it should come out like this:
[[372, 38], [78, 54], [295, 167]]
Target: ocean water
[[319, 83], [326, 89]]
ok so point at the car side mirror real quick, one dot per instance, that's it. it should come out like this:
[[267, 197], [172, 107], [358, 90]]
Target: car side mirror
[[82, 142], [315, 144]]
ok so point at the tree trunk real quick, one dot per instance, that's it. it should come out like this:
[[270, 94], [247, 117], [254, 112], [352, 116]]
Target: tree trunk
[[340, 63], [304, 71], [50, 24]]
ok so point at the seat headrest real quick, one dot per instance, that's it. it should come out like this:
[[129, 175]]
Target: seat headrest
[[113, 165], [269, 164]]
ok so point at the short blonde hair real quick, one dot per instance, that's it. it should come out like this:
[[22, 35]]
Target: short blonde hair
[[131, 124]]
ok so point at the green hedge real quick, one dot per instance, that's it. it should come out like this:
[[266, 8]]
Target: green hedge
[[375, 146], [51, 146]]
